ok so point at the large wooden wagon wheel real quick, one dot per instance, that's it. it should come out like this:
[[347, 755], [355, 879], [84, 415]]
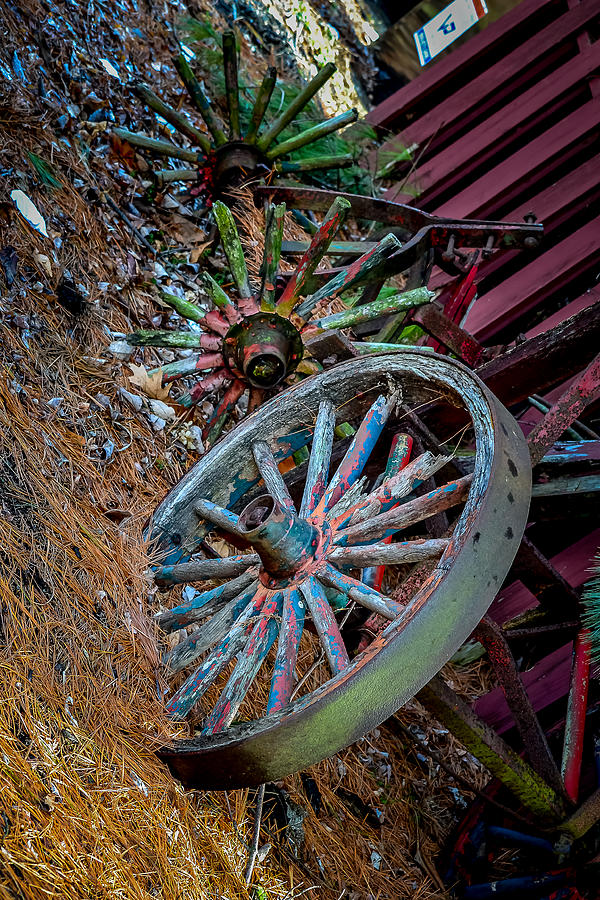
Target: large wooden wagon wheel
[[253, 344], [302, 543], [225, 158]]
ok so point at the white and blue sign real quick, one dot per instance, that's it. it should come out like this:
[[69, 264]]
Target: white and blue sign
[[447, 26]]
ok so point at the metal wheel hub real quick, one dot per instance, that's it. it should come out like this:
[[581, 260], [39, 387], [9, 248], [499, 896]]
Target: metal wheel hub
[[263, 349], [237, 163]]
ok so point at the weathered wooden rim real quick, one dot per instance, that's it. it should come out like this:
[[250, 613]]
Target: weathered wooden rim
[[440, 617]]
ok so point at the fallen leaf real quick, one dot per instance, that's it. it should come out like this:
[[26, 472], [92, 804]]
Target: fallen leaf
[[151, 385], [197, 252]]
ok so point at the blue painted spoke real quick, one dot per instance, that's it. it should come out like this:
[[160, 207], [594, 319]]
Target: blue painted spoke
[[326, 625], [292, 624]]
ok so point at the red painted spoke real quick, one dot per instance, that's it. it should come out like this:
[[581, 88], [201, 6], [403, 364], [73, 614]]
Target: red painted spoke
[[326, 625], [359, 592], [282, 683], [320, 456], [216, 322], [180, 368], [269, 471], [198, 683], [391, 490], [206, 386], [246, 669], [255, 399], [387, 554], [317, 249], [215, 425], [407, 514], [353, 463]]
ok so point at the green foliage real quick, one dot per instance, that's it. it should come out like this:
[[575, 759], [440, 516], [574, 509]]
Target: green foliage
[[591, 609], [43, 171]]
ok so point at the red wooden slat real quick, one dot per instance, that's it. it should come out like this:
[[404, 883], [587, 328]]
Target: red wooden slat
[[572, 563], [527, 288], [500, 80], [434, 77], [453, 164], [502, 184]]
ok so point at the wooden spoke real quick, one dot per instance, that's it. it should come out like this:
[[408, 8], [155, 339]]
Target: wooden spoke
[[313, 134], [212, 382], [198, 683], [219, 418], [199, 99], [388, 554], [269, 471], [180, 368], [205, 604], [350, 468], [356, 590], [298, 104], [407, 514], [249, 662], [215, 629], [369, 311], [255, 398], [183, 339], [263, 95], [232, 90], [362, 269], [219, 516], [333, 221], [204, 569], [326, 625], [232, 247], [392, 490], [219, 297], [270, 263], [177, 119], [292, 624], [311, 163], [162, 148], [320, 455], [167, 176]]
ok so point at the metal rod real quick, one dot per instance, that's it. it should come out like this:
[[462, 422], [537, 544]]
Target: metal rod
[[263, 95], [326, 625], [320, 456], [232, 91], [310, 135], [177, 119], [297, 104], [321, 240], [199, 99]]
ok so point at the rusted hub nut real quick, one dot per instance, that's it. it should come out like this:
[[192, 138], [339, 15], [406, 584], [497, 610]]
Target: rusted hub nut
[[263, 349], [283, 541], [236, 163]]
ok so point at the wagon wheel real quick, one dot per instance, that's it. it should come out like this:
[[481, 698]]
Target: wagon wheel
[[301, 551], [226, 159], [254, 344]]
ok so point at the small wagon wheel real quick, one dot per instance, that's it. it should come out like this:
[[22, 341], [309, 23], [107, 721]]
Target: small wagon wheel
[[256, 342], [226, 158], [302, 552]]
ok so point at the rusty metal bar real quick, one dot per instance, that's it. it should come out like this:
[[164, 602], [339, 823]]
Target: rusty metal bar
[[534, 740], [517, 775]]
